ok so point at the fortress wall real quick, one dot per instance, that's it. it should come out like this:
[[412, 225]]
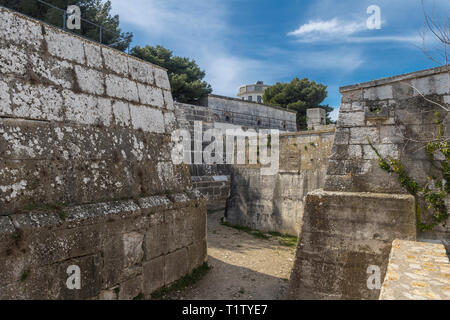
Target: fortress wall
[[276, 202], [393, 115], [250, 114], [86, 176], [211, 180], [350, 225], [399, 122]]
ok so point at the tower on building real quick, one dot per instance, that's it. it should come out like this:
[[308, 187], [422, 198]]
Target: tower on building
[[316, 117], [253, 92]]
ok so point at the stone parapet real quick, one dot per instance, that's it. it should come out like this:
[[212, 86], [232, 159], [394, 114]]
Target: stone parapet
[[86, 174], [343, 234]]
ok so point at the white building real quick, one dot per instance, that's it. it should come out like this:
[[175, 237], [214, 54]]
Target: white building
[[253, 92]]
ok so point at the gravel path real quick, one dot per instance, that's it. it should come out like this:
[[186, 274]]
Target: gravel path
[[243, 266]]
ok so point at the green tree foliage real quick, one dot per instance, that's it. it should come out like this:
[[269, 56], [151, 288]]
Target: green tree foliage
[[298, 95], [96, 11], [186, 78]]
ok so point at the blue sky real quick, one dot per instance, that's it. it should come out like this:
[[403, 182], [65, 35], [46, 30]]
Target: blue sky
[[241, 41]]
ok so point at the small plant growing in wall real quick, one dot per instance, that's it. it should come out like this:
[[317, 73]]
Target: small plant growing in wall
[[434, 192], [140, 296], [25, 275]]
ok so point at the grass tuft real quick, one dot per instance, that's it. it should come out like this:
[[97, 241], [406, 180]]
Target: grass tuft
[[285, 239], [140, 296], [256, 233], [24, 275]]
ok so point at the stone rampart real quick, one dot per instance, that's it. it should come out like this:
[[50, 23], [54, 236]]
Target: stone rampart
[[276, 202], [86, 175], [349, 226]]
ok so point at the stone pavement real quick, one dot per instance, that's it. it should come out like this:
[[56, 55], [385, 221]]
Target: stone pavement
[[417, 271]]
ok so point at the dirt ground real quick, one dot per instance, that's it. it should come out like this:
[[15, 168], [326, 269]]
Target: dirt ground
[[243, 266]]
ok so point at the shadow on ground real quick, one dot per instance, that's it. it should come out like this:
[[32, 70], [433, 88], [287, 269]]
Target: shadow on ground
[[243, 266], [229, 282]]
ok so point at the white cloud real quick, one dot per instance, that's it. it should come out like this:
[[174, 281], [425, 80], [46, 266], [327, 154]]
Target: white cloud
[[330, 27], [336, 30], [334, 114]]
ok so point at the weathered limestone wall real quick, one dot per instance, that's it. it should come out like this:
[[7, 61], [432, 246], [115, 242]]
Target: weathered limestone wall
[[275, 202], [396, 119], [250, 114], [86, 175], [417, 271], [212, 181], [391, 114], [351, 224], [123, 248], [222, 113], [344, 233]]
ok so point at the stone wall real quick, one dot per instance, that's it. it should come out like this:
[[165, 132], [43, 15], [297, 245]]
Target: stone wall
[[351, 224], [250, 114], [343, 234], [392, 114], [275, 202], [222, 113], [86, 172], [212, 181], [417, 271]]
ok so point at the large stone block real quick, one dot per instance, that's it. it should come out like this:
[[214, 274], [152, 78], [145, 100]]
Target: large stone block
[[435, 84], [87, 109], [359, 135], [49, 69], [90, 268], [150, 95], [351, 119], [342, 136], [176, 265], [132, 245], [378, 93], [90, 80], [352, 95], [197, 254], [115, 61], [94, 58], [168, 100], [342, 235], [156, 241], [19, 29], [153, 275], [13, 61], [132, 288], [37, 102], [385, 150], [64, 45], [147, 119], [162, 79], [122, 88], [121, 113], [141, 71]]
